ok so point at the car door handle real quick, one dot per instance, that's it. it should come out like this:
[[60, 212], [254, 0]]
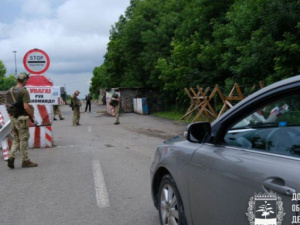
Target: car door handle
[[277, 185]]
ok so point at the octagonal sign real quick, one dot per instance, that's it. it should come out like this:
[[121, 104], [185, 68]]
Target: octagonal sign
[[36, 61]]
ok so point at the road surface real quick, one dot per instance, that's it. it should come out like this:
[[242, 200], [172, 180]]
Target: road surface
[[96, 173]]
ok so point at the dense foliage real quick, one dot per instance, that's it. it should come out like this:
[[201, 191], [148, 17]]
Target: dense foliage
[[172, 44], [6, 82]]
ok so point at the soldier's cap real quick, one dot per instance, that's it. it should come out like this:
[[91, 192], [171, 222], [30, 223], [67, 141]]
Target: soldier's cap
[[22, 76]]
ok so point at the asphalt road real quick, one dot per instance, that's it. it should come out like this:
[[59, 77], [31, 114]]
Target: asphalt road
[[96, 174]]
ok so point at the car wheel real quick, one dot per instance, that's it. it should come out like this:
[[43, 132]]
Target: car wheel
[[170, 205]]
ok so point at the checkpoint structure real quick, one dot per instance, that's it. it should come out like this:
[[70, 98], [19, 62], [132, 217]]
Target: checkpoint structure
[[43, 95]]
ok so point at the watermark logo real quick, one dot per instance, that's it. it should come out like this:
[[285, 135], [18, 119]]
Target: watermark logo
[[265, 209]]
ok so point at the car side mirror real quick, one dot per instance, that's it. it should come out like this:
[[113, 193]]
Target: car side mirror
[[198, 132]]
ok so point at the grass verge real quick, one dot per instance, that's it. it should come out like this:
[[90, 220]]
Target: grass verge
[[173, 115], [176, 116]]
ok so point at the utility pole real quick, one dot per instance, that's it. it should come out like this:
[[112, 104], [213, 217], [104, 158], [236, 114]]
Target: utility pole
[[16, 73]]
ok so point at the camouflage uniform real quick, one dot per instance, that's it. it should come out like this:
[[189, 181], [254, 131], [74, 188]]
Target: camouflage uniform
[[20, 132], [117, 113], [17, 103], [116, 98], [76, 110], [20, 129], [57, 111]]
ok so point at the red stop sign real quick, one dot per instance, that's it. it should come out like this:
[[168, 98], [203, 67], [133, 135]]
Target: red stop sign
[[36, 61]]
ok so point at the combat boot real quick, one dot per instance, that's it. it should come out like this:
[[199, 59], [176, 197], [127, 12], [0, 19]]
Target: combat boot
[[28, 163], [11, 162]]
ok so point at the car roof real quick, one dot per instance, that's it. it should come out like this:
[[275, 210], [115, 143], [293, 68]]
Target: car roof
[[279, 84]]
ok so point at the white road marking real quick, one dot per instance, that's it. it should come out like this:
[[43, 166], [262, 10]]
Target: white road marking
[[89, 129], [100, 187]]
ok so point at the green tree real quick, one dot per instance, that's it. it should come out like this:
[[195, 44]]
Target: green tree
[[261, 40], [6, 82], [100, 80], [195, 54], [2, 69], [136, 43], [173, 44]]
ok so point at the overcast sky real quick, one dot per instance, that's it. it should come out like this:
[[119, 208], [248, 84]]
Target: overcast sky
[[74, 34]]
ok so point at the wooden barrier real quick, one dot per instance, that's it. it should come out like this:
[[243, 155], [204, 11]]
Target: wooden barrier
[[201, 101], [231, 97]]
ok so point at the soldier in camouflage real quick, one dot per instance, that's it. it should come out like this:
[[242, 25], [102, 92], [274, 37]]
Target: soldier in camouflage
[[19, 116], [115, 97], [76, 104], [56, 111]]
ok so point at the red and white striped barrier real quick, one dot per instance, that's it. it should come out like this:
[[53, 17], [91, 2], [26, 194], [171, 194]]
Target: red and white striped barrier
[[6, 142], [277, 112], [40, 137], [4, 117], [43, 114], [274, 114], [6, 145]]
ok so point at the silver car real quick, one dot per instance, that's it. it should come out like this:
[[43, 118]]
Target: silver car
[[244, 168]]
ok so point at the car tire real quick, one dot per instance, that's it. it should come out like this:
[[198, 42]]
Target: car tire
[[170, 205]]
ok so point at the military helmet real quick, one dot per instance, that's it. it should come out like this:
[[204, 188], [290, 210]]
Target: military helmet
[[22, 76]]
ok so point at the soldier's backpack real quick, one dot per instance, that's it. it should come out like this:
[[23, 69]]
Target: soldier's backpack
[[13, 107]]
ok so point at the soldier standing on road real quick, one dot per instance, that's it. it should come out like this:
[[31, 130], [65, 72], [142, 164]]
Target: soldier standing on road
[[19, 114], [56, 111], [88, 99], [76, 108], [115, 98]]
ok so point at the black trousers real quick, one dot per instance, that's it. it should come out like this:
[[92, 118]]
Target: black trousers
[[88, 104]]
